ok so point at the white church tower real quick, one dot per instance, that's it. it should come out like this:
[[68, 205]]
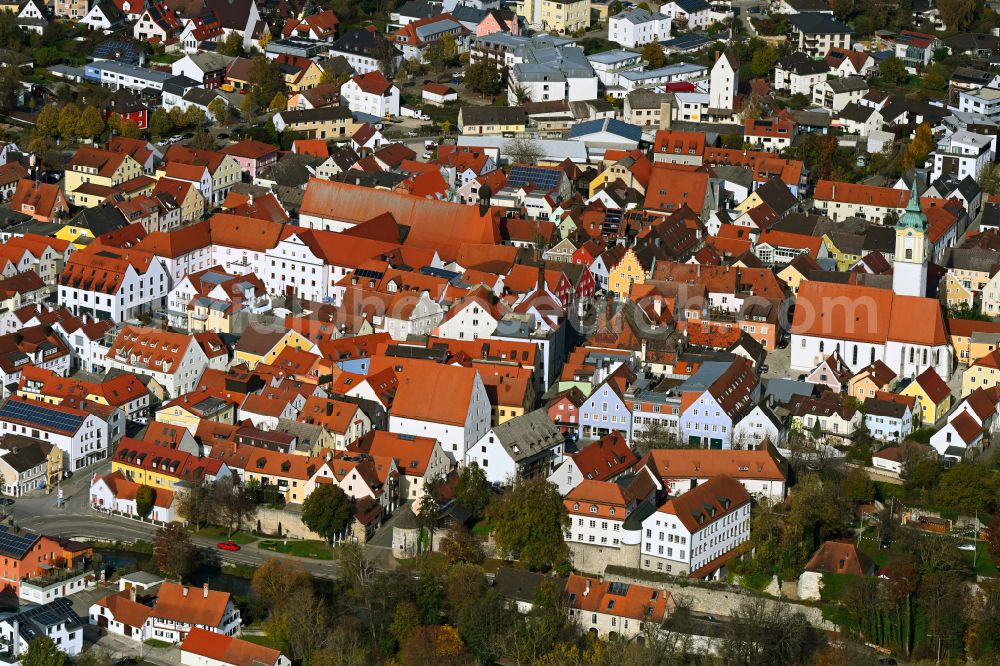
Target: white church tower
[[724, 82], [909, 266]]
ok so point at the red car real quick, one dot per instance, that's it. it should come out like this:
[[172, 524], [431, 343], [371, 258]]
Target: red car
[[228, 545]]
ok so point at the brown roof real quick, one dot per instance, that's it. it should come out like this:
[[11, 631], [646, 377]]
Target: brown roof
[[437, 393], [703, 463], [841, 558], [932, 384], [436, 225], [228, 649], [707, 502], [190, 605]]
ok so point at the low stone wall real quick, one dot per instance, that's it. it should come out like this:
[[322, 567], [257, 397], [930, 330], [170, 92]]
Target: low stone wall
[[282, 523], [593, 559]]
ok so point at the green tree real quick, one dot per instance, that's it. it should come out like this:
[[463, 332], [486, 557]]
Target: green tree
[[126, 128], [232, 46], [440, 52], [654, 56], [654, 436], [857, 486], [177, 118], [461, 545], [892, 71], [144, 499], [174, 552], [47, 56], [159, 124], [431, 508], [266, 77], [68, 117], [249, 107], [327, 511], [936, 77], [275, 579], [989, 178], [818, 511], [957, 15], [219, 110], [233, 504], [203, 140], [47, 123], [10, 86], [921, 146], [483, 77], [194, 117], [90, 124], [529, 522], [197, 504], [278, 102], [43, 651], [473, 490], [763, 61], [968, 487], [405, 620]]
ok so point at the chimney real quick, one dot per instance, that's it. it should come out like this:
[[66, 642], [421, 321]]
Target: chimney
[[185, 590], [717, 55], [586, 590], [204, 590], [131, 593]]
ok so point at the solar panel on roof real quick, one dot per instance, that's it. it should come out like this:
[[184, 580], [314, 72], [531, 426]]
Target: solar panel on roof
[[368, 273], [541, 178], [16, 545], [37, 414]]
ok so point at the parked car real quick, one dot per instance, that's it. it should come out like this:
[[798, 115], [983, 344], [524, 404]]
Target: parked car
[[231, 546]]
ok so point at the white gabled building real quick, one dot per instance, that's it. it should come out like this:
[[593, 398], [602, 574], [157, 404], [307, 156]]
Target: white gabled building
[[82, 436], [371, 93], [176, 361], [448, 403], [523, 447], [691, 533], [113, 284], [638, 27], [962, 154]]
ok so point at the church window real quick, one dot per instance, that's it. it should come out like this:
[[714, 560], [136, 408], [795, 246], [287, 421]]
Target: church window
[[909, 253]]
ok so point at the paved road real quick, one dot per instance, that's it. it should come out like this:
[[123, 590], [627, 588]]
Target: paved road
[[76, 519]]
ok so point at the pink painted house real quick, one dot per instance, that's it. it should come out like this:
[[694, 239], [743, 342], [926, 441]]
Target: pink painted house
[[252, 155], [498, 20]]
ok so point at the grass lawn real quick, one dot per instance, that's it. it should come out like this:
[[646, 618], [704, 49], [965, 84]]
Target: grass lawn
[[219, 533], [156, 643], [984, 565], [482, 528], [834, 585], [433, 559], [316, 550], [166, 58], [261, 639]]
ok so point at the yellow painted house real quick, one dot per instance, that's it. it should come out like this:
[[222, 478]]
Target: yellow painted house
[[187, 196], [260, 346], [932, 394], [93, 173], [984, 373], [628, 271], [158, 466], [555, 17], [620, 170], [846, 255], [306, 78], [187, 411]]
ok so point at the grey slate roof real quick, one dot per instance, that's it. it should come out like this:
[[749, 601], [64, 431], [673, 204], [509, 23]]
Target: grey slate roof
[[526, 436], [815, 23]]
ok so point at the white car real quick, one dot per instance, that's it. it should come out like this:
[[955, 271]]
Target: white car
[[971, 547]]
